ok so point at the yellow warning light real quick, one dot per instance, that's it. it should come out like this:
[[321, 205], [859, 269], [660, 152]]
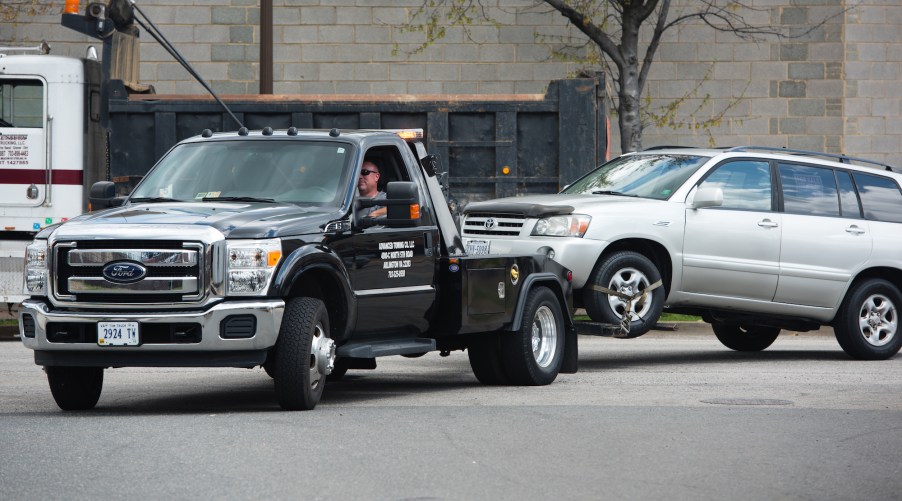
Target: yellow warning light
[[71, 7], [506, 170], [408, 134]]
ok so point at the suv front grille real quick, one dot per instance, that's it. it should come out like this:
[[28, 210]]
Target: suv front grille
[[172, 271], [480, 224]]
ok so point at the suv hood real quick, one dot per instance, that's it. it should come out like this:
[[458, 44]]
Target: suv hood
[[233, 219], [548, 205]]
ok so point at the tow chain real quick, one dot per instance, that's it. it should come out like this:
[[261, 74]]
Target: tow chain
[[625, 319]]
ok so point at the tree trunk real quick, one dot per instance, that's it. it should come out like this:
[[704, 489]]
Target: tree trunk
[[630, 93]]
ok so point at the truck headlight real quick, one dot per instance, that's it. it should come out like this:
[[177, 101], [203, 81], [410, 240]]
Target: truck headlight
[[36, 268], [250, 265], [571, 225]]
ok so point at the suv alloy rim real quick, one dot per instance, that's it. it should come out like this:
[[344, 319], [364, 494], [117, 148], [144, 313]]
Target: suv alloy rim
[[629, 281], [877, 320]]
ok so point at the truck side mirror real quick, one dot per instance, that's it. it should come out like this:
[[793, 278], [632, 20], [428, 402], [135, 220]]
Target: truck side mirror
[[403, 208], [103, 195]]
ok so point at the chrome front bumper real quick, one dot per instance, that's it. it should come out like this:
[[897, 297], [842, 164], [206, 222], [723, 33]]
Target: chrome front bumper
[[268, 314]]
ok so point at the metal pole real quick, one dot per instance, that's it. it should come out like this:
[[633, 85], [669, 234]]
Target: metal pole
[[265, 46]]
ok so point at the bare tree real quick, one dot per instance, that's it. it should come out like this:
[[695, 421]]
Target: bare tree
[[613, 31]]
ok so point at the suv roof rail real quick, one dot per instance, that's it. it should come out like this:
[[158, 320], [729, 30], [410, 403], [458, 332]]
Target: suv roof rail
[[666, 147], [846, 159]]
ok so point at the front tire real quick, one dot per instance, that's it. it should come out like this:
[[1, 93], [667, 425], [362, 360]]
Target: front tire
[[75, 388], [745, 338], [629, 273], [532, 355], [300, 375], [867, 327]]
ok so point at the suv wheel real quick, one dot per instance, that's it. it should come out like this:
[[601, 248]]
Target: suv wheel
[[867, 326], [745, 338], [629, 273]]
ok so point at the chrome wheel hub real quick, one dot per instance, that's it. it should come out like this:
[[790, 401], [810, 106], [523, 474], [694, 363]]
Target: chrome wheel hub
[[878, 320], [322, 356], [544, 336]]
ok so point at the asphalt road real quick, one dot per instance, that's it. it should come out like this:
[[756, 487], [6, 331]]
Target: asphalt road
[[668, 416]]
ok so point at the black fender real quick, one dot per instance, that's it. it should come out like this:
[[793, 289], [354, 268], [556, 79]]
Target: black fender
[[570, 363], [333, 284]]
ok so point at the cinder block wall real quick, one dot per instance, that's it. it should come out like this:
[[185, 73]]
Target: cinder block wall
[[834, 89]]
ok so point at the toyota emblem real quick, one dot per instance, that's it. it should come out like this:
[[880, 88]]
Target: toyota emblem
[[490, 223]]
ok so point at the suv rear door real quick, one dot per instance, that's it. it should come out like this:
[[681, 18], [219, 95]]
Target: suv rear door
[[825, 238]]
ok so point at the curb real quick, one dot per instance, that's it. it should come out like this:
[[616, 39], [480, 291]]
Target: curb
[[9, 332]]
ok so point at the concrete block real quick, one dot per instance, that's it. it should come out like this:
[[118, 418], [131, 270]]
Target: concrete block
[[319, 16], [461, 53], [206, 34], [794, 15], [825, 88], [336, 34], [496, 53], [356, 16], [514, 71], [496, 88], [228, 87], [794, 52], [393, 16], [229, 15], [395, 87], [354, 53], [792, 126], [694, 71], [297, 72], [807, 107], [192, 15], [424, 87], [372, 34], [318, 53], [371, 72], [886, 107], [678, 52], [300, 34], [805, 71], [792, 88], [871, 125], [824, 126], [289, 16], [517, 34], [406, 72], [459, 88], [227, 52], [316, 87], [241, 34], [352, 87], [527, 53], [243, 71], [810, 143]]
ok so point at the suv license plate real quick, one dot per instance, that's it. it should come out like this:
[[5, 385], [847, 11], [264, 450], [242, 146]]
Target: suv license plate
[[117, 334], [478, 247]]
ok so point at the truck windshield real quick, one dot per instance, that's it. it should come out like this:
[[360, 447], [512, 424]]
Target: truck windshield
[[654, 176], [299, 172]]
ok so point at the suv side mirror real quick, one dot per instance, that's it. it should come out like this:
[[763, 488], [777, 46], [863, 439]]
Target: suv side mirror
[[707, 197], [103, 195]]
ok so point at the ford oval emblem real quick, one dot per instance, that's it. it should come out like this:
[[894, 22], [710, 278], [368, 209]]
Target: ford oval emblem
[[124, 272]]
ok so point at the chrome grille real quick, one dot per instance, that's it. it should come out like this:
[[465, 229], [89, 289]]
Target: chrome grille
[[174, 271], [480, 224]]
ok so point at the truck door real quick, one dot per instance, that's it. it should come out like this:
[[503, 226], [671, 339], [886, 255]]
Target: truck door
[[394, 276], [24, 169]]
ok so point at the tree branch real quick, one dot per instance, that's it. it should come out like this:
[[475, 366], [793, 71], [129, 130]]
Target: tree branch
[[660, 27], [585, 25]]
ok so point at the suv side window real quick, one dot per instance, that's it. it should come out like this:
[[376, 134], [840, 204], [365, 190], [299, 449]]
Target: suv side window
[[746, 184], [880, 197], [809, 190], [848, 199]]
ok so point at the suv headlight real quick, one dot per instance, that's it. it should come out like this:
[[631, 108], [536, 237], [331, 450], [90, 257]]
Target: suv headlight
[[250, 265], [572, 225], [36, 268]]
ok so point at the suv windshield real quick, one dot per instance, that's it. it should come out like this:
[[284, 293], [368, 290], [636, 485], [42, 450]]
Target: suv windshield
[[304, 173], [648, 176]]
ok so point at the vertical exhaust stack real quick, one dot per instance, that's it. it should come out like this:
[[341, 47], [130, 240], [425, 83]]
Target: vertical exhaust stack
[[114, 25]]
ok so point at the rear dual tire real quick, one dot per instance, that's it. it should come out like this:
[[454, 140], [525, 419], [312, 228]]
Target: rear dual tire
[[530, 356]]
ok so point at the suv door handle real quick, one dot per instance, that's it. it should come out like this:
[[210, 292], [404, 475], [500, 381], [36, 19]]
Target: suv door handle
[[855, 230], [767, 223]]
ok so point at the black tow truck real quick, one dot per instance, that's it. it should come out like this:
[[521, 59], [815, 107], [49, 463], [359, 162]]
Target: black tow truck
[[245, 249]]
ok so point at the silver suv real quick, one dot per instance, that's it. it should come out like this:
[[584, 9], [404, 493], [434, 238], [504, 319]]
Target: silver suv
[[752, 239]]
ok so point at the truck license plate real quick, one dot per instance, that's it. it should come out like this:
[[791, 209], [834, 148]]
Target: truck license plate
[[117, 333], [478, 247]]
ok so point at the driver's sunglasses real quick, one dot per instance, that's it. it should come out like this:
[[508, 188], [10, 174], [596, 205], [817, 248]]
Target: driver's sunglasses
[[365, 172]]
